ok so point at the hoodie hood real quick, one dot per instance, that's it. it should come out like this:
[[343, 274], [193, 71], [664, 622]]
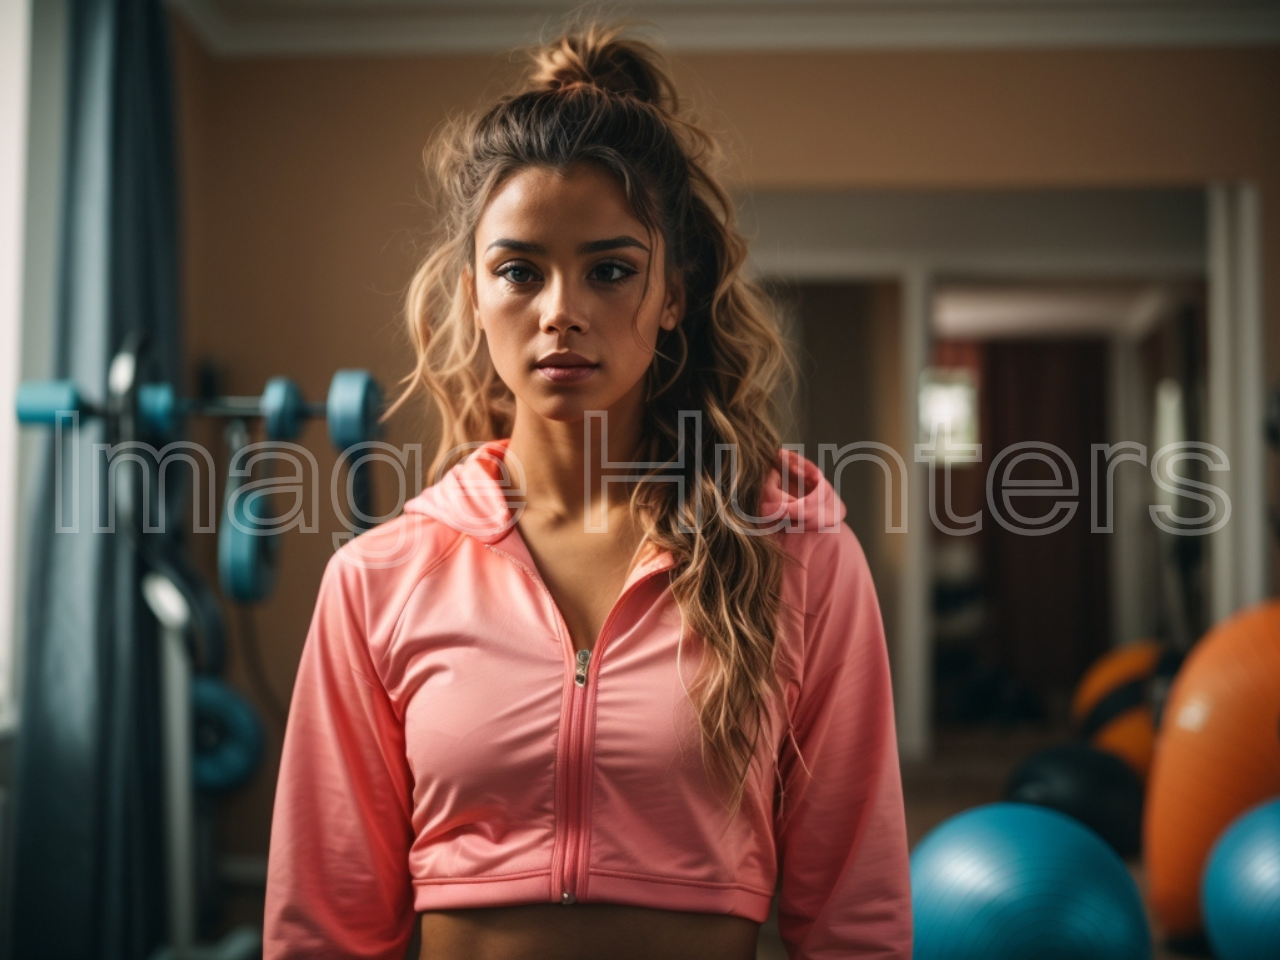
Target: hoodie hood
[[471, 497]]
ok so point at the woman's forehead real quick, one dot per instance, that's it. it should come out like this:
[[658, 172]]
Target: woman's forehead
[[546, 206]]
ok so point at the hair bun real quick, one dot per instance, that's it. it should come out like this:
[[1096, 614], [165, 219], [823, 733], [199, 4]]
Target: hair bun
[[597, 57]]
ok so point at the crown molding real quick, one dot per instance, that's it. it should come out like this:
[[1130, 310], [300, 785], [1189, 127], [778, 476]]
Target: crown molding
[[268, 28]]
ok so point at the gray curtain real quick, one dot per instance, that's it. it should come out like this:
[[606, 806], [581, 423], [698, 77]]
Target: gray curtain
[[88, 857]]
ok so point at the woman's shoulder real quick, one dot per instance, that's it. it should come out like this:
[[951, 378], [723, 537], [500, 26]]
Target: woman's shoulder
[[394, 549], [826, 568], [798, 498], [798, 501], [385, 563], [369, 580]]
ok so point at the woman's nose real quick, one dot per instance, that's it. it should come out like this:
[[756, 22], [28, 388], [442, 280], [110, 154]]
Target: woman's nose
[[562, 308]]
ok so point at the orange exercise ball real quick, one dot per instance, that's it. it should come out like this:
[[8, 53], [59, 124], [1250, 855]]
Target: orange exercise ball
[[1112, 704], [1217, 754]]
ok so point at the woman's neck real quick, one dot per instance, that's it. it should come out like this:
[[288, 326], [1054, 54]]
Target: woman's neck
[[562, 468]]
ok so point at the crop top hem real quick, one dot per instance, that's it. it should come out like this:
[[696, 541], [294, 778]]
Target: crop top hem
[[462, 893], [734, 899]]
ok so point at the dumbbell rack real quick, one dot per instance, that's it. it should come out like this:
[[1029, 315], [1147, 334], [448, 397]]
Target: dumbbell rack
[[246, 563]]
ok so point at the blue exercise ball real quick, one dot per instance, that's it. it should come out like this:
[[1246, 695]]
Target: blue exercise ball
[[1240, 891], [1012, 881]]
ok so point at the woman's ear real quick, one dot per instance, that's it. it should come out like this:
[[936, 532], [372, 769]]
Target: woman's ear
[[674, 307], [468, 283]]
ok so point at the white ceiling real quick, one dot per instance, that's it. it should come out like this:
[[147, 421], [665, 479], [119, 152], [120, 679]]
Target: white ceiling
[[347, 27], [1000, 263], [982, 312], [975, 234]]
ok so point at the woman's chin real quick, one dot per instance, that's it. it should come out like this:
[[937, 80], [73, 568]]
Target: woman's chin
[[564, 409], [567, 409]]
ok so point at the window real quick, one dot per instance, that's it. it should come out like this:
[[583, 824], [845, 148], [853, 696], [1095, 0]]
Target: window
[[32, 91]]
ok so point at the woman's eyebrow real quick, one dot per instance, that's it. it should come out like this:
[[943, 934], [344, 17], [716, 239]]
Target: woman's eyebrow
[[594, 246]]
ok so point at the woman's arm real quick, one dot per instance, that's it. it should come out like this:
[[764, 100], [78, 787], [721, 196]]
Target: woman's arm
[[338, 882], [842, 844]]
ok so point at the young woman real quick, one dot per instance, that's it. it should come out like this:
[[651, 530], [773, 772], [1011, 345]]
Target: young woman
[[619, 676]]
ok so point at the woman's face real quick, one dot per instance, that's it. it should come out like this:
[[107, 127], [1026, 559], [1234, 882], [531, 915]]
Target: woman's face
[[561, 263]]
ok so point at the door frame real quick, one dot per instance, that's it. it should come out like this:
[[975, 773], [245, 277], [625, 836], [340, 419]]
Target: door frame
[[1230, 263]]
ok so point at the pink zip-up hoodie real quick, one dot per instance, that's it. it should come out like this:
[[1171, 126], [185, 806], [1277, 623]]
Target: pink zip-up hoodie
[[446, 748]]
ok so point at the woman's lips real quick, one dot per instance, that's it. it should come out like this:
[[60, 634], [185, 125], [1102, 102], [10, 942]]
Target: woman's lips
[[567, 374]]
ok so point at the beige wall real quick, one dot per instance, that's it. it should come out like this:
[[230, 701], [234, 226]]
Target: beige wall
[[301, 175], [851, 362]]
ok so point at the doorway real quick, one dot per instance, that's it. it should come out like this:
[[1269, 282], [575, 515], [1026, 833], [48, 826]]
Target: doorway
[[911, 245]]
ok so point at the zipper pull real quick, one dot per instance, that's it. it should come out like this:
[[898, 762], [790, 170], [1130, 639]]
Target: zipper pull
[[580, 673]]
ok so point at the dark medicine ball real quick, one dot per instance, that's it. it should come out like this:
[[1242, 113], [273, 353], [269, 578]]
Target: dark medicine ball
[[1095, 787]]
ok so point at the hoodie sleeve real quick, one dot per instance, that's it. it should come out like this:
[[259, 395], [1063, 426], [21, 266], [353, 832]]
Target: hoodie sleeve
[[845, 887], [338, 881]]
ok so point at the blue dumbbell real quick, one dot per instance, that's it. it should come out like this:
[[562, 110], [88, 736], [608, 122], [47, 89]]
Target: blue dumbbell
[[42, 401], [351, 407]]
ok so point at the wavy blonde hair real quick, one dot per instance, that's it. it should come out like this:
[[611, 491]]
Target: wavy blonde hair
[[592, 96]]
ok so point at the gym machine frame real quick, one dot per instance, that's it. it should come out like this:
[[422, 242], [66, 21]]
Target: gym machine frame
[[183, 604]]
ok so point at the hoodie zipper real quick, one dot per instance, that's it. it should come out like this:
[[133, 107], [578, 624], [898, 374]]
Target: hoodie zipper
[[574, 782]]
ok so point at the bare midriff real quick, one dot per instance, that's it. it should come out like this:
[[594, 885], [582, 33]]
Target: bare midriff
[[584, 931]]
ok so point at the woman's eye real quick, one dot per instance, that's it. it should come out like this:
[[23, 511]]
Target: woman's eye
[[604, 272], [612, 272], [516, 273]]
